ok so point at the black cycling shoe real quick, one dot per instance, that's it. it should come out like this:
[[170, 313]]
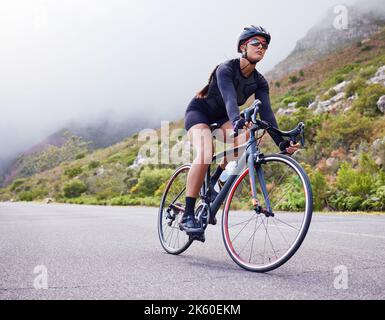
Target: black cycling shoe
[[190, 225]]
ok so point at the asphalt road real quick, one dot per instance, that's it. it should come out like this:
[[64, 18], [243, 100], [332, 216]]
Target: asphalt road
[[95, 252]]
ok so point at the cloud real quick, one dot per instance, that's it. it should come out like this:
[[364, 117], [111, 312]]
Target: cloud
[[76, 60]]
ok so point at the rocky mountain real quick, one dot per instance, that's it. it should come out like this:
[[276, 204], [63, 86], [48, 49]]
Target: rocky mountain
[[363, 20], [67, 144]]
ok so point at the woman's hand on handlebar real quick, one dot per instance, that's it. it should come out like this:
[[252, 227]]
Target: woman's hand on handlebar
[[242, 124], [289, 147], [292, 148]]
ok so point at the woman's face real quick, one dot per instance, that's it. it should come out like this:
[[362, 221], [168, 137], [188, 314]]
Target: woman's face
[[255, 53]]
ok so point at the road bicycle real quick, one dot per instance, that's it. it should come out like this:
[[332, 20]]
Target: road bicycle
[[267, 199]]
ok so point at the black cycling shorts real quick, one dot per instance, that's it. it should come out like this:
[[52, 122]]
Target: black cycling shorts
[[198, 112]]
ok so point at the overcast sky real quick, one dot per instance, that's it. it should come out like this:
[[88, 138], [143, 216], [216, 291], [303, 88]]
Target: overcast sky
[[79, 59]]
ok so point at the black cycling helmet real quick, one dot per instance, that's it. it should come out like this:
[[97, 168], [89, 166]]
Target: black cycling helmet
[[249, 32]]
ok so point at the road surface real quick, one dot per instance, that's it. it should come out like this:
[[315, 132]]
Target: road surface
[[96, 252]]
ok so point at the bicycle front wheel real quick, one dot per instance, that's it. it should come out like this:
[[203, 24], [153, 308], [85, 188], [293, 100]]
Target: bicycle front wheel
[[172, 239], [259, 242]]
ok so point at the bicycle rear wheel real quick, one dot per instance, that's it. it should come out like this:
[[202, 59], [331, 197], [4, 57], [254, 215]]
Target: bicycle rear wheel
[[259, 242], [172, 239]]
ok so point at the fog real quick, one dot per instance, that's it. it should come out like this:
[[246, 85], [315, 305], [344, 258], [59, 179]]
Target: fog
[[85, 60]]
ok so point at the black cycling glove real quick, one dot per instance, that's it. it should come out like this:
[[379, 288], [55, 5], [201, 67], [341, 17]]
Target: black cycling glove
[[239, 124], [284, 144]]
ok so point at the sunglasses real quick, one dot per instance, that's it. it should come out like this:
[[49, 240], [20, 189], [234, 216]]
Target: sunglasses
[[256, 43]]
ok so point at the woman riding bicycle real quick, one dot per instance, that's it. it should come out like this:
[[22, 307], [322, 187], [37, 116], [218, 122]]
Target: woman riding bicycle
[[230, 85]]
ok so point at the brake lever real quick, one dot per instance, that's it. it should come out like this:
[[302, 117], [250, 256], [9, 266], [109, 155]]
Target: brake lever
[[303, 139]]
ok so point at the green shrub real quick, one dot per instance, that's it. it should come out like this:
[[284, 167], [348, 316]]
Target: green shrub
[[368, 72], [305, 100], [5, 196], [367, 48], [328, 95], [130, 182], [150, 180], [355, 86], [106, 194], [337, 79], [93, 164], [289, 99], [353, 182], [73, 172], [377, 200], [361, 188], [114, 158], [25, 196], [312, 122], [80, 156], [332, 93], [343, 131], [301, 73], [74, 189], [33, 194], [320, 189], [366, 104], [278, 84], [130, 159], [17, 183], [90, 200], [293, 79], [129, 200], [341, 74]]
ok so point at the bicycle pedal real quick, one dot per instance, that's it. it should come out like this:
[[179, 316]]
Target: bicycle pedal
[[198, 237]]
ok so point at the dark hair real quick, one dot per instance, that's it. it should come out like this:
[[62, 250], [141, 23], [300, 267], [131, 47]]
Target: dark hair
[[203, 92]]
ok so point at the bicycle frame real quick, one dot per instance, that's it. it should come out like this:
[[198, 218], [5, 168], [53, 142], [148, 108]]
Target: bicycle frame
[[249, 159]]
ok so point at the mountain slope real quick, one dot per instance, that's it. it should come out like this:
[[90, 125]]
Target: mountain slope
[[324, 38], [75, 140]]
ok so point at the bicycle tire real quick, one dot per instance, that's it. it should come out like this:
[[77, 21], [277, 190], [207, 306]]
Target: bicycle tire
[[161, 215], [294, 165]]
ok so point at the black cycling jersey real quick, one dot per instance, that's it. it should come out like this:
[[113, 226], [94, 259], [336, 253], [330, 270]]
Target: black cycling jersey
[[228, 90]]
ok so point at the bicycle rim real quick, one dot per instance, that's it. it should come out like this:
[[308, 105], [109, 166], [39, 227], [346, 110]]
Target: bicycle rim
[[260, 243], [172, 239]]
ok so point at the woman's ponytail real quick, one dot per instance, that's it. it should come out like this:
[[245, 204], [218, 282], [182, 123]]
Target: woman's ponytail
[[203, 92]]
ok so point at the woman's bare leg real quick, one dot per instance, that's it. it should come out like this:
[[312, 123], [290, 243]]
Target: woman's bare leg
[[201, 138]]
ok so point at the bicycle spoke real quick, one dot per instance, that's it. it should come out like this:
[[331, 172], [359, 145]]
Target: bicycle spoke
[[172, 232], [264, 249], [286, 223], [252, 244], [279, 229], [267, 223], [250, 238], [243, 228], [258, 244], [234, 225]]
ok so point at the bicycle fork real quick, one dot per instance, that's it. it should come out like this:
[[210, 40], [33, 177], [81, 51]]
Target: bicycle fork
[[256, 171]]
